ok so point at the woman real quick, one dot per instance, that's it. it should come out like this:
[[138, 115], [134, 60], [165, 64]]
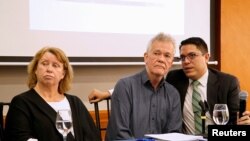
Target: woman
[[32, 114]]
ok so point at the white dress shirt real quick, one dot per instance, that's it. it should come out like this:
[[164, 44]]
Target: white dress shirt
[[188, 115]]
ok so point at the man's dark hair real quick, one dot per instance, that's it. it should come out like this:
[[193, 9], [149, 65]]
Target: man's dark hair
[[197, 41]]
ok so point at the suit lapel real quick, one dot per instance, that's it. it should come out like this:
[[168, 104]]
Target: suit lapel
[[181, 83], [213, 86]]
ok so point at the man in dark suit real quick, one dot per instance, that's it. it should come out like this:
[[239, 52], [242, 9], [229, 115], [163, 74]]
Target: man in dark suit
[[215, 86]]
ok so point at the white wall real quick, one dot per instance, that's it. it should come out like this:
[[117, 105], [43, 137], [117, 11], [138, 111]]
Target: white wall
[[13, 80]]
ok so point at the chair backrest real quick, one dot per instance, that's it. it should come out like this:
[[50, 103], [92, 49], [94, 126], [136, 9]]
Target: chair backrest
[[97, 115], [2, 104]]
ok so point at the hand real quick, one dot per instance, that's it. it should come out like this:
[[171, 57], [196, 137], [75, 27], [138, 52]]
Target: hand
[[97, 95], [245, 119]]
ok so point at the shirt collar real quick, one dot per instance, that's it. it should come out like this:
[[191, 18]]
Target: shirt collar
[[203, 79], [146, 80]]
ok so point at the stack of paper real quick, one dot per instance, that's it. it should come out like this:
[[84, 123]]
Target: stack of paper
[[175, 137]]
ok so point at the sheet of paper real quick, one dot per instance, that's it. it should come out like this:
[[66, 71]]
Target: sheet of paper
[[31, 139], [176, 137]]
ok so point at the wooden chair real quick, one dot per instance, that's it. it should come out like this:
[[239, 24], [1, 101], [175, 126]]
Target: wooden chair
[[2, 125], [97, 115]]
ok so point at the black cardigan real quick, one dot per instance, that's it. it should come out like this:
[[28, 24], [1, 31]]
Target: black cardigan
[[29, 116]]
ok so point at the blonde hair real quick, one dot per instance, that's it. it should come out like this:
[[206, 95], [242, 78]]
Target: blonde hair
[[65, 83]]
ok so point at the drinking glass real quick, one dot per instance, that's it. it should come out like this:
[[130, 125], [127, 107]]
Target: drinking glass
[[220, 114], [64, 122]]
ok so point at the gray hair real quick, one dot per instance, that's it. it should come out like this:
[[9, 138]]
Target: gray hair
[[161, 37]]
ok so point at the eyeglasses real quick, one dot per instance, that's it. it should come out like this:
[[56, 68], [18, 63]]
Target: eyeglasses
[[191, 56]]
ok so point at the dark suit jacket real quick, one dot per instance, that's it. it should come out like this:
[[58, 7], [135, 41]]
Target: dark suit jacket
[[221, 88]]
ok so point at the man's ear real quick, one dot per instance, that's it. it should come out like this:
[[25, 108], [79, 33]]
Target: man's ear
[[207, 56], [145, 57]]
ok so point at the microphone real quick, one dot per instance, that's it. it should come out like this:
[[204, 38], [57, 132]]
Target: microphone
[[243, 98], [206, 105], [203, 115], [201, 103]]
